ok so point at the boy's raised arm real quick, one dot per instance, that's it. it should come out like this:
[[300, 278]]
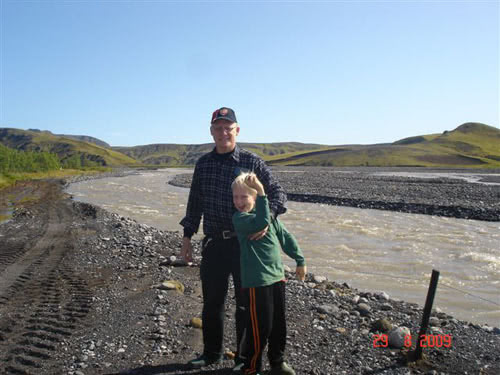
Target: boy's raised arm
[[250, 223]]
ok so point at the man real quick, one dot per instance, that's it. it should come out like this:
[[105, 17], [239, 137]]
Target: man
[[211, 197]]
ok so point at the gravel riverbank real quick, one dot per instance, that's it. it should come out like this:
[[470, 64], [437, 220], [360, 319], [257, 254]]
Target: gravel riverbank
[[84, 292], [332, 327], [430, 193]]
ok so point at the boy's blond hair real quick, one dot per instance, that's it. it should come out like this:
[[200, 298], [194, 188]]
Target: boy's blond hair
[[240, 182]]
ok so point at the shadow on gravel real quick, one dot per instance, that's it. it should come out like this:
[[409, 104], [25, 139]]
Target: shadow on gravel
[[172, 368]]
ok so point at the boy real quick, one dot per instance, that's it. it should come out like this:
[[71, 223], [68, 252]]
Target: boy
[[262, 276]]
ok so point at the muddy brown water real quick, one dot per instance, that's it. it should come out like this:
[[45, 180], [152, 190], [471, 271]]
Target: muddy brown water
[[371, 250]]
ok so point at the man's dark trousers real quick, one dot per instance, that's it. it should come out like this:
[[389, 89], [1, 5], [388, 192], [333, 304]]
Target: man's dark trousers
[[220, 259]]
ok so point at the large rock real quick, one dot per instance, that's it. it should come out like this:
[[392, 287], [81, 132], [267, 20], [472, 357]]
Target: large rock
[[397, 337], [382, 296], [196, 323], [364, 309], [381, 325], [319, 279], [328, 309], [434, 322], [172, 285]]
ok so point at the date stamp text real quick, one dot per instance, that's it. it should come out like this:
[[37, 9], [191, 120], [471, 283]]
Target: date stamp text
[[426, 341]]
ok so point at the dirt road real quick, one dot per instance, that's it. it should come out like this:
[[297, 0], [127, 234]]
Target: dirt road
[[42, 301], [66, 300]]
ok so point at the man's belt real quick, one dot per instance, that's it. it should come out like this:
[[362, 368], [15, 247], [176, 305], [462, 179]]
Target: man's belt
[[224, 235]]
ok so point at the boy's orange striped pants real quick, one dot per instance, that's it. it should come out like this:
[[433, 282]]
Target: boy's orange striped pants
[[266, 326]]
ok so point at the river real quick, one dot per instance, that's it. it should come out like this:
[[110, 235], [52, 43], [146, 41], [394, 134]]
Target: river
[[372, 250]]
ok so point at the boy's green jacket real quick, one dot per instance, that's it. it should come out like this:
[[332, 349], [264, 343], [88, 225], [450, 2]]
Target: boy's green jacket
[[260, 260]]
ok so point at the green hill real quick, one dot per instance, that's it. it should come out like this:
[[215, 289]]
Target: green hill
[[470, 145], [181, 155], [84, 138], [165, 154], [65, 148]]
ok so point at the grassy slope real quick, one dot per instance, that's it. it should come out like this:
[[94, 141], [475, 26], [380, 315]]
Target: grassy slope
[[485, 138], [7, 180], [63, 147], [166, 154], [175, 154], [273, 150], [470, 145]]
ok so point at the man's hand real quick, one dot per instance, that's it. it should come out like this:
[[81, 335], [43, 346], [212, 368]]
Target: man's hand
[[258, 235], [301, 271], [186, 250]]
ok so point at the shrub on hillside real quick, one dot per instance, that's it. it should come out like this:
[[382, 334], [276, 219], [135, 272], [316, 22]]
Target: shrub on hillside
[[27, 161]]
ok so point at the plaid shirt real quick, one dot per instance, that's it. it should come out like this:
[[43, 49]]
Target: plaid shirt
[[211, 195]]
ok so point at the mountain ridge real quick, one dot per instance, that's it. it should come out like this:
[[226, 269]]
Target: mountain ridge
[[64, 147], [471, 144], [84, 138]]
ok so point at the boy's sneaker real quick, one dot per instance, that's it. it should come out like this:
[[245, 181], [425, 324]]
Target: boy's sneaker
[[282, 369], [241, 371], [204, 360], [238, 367]]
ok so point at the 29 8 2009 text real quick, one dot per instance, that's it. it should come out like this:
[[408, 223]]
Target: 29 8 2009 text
[[426, 341]]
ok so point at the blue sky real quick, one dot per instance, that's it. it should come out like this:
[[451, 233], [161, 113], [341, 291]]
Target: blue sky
[[329, 72]]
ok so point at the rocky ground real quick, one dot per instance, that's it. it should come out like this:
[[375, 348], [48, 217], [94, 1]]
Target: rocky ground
[[364, 188], [85, 291]]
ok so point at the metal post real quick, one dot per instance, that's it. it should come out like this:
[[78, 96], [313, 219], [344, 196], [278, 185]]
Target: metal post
[[427, 313]]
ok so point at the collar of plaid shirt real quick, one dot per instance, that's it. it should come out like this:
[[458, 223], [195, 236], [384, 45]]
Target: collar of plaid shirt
[[235, 154]]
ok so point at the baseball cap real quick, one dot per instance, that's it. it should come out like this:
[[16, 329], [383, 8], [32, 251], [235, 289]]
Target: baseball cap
[[223, 113]]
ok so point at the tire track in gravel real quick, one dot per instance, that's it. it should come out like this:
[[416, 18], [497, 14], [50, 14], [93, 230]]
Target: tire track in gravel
[[18, 239], [42, 302], [9, 255]]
